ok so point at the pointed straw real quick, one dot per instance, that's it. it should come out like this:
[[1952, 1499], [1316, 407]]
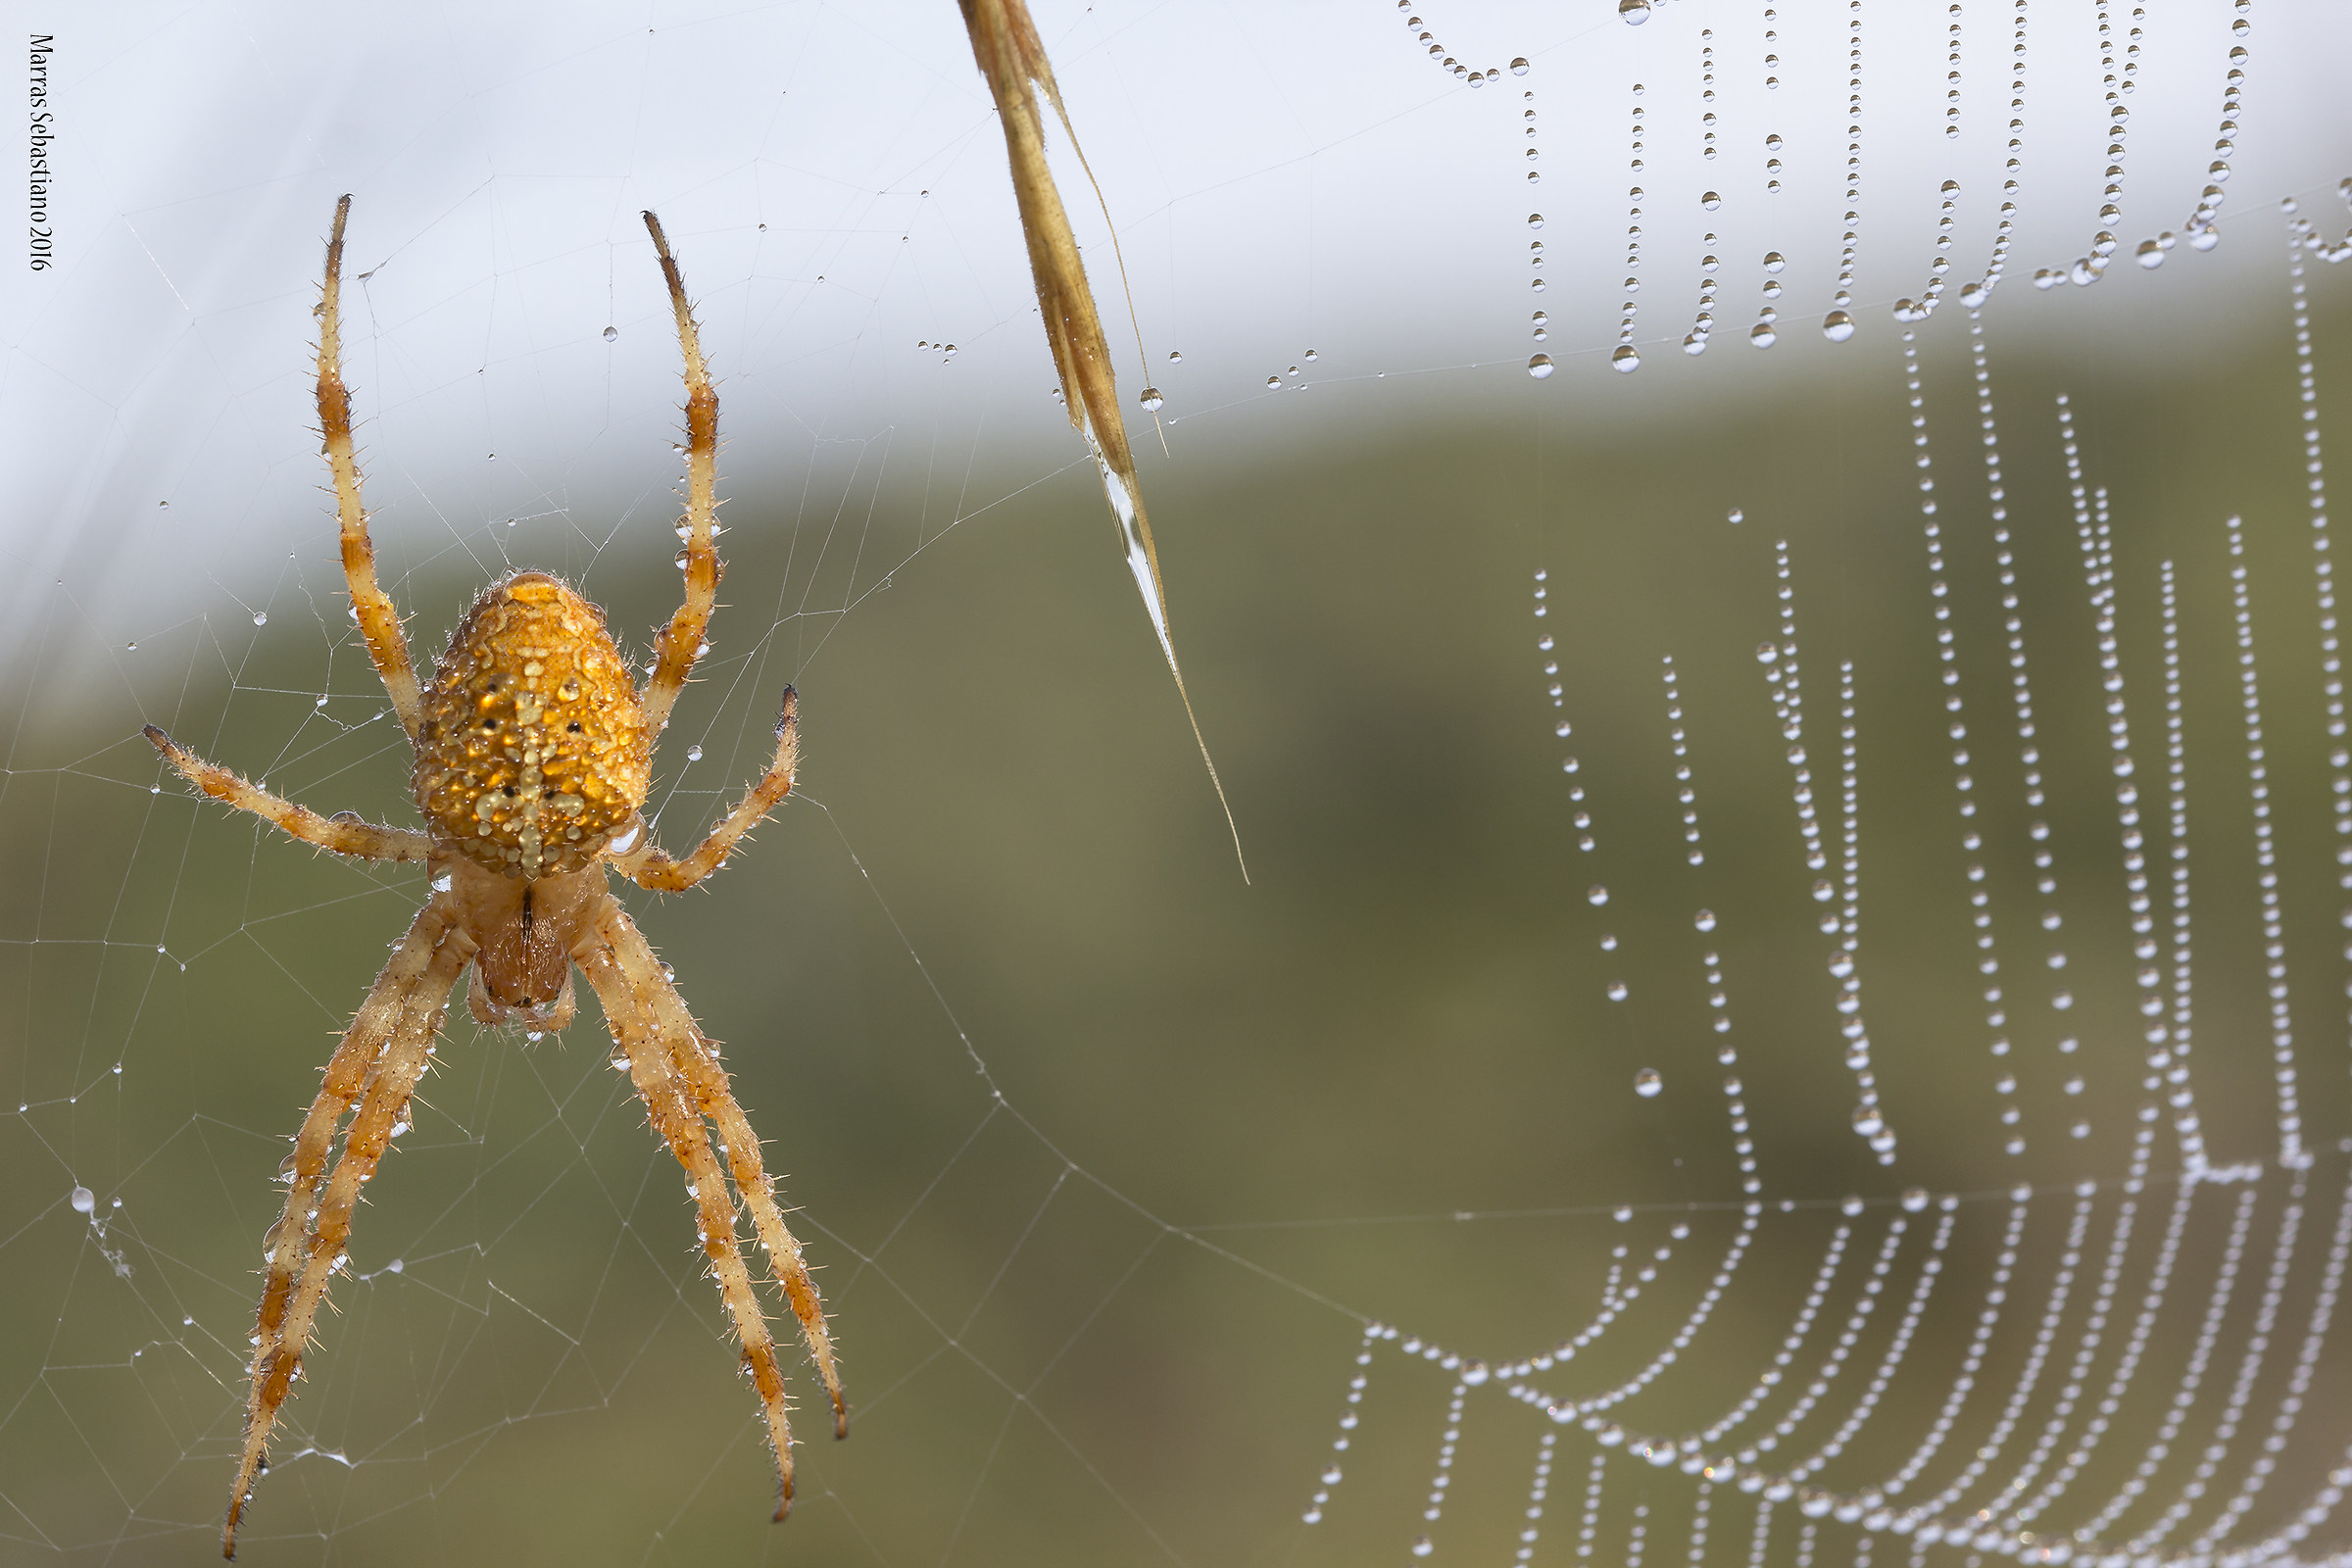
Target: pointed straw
[[1013, 60]]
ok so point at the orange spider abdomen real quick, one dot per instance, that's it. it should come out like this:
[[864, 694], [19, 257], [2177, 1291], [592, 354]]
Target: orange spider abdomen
[[533, 749]]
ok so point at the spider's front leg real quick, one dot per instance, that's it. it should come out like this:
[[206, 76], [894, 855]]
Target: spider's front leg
[[696, 1060], [670, 1102], [377, 1065]]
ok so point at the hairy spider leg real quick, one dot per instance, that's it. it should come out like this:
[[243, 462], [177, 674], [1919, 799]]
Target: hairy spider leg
[[657, 872], [344, 833], [670, 1102], [379, 623], [696, 1060], [681, 642], [390, 1078]]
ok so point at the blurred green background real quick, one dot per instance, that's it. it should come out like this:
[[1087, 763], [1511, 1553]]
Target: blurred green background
[[1106, 1318]]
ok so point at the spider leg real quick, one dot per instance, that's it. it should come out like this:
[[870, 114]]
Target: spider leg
[[377, 1065], [696, 1060], [670, 1103], [343, 834], [681, 642], [652, 869], [379, 623]]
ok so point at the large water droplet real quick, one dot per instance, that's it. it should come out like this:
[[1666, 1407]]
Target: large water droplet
[[1596, 894], [1540, 367], [1535, 220], [2150, 255], [611, 333], [1838, 326], [1627, 358], [1150, 400], [1762, 335], [85, 1201], [1635, 12], [1648, 1083], [1710, 201], [1519, 67], [261, 618]]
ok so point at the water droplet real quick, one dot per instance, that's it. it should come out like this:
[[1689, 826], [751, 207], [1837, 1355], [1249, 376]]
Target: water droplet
[[1710, 201], [1175, 356], [163, 505], [1421, 1545], [1617, 991], [1635, 12], [1274, 384], [261, 618], [611, 333], [1762, 335], [1737, 515], [1596, 895], [1540, 367], [1626, 359], [1838, 326], [2150, 255], [1150, 400], [693, 753], [1535, 220], [441, 883], [85, 1201], [1519, 67], [1623, 1213], [1766, 653], [1774, 261], [1648, 1083]]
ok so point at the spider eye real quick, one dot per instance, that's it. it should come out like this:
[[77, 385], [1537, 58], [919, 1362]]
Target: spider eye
[[510, 792], [489, 723], [574, 726]]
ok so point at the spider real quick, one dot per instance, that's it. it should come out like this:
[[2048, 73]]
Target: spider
[[533, 755]]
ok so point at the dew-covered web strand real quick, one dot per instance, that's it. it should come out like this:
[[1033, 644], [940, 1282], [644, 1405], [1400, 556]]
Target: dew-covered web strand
[[1987, 962], [1784, 680]]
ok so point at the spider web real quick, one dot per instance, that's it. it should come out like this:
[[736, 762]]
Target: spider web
[[1122, 1177]]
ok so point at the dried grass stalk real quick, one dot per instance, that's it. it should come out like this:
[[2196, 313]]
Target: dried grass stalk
[[1014, 59]]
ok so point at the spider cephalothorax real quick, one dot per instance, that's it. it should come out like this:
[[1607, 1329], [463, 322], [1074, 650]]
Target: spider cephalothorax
[[533, 754]]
